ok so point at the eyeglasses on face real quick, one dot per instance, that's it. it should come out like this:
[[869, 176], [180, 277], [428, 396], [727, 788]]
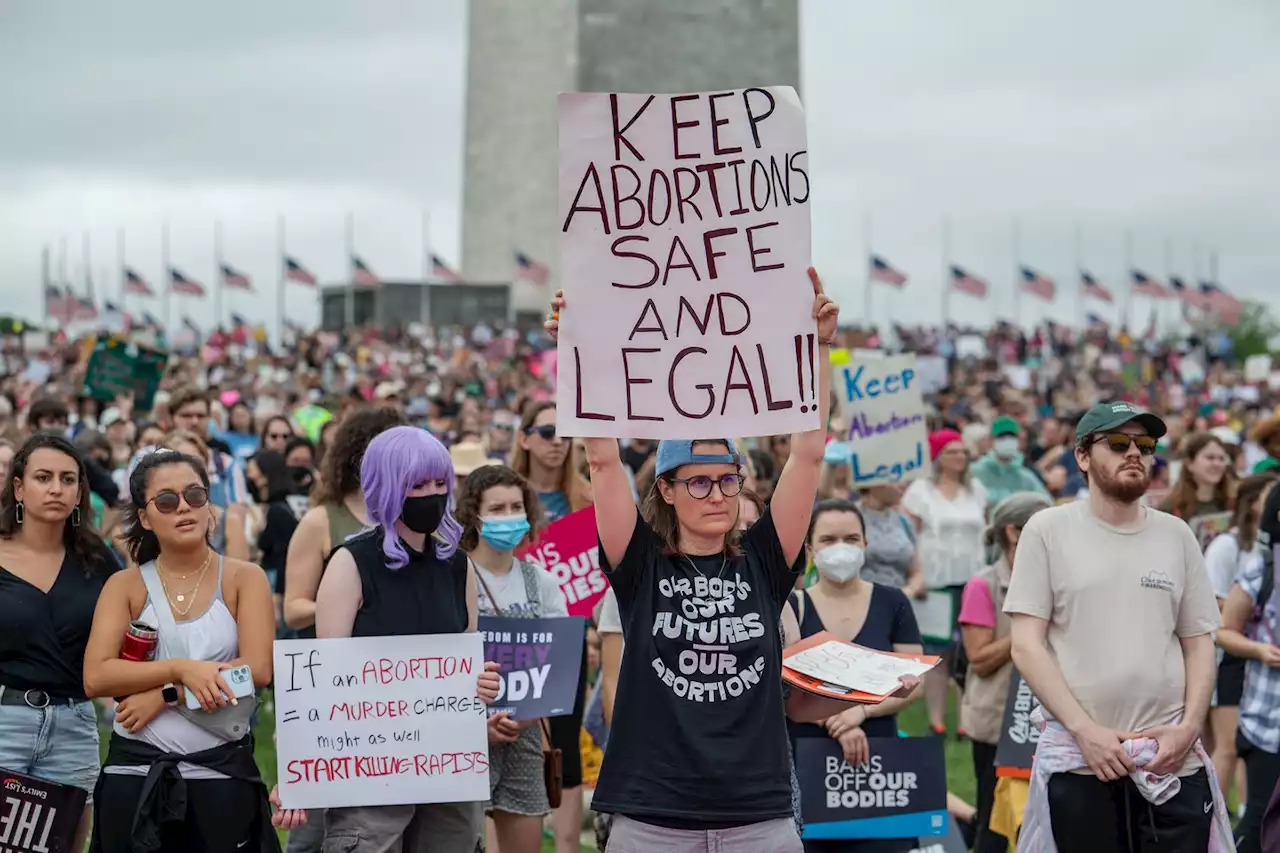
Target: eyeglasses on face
[[546, 431], [168, 501], [1119, 442], [700, 487], [278, 436]]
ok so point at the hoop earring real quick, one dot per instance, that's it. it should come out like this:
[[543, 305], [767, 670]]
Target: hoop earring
[[75, 516], [18, 513]]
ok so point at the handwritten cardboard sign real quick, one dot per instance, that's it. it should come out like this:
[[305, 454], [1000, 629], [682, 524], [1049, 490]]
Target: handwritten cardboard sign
[[570, 550], [116, 366], [540, 660], [1018, 737], [900, 793], [684, 251], [882, 401], [380, 721], [36, 815]]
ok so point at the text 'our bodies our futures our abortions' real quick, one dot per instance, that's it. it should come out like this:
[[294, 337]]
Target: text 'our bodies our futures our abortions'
[[373, 721], [684, 257], [881, 399]]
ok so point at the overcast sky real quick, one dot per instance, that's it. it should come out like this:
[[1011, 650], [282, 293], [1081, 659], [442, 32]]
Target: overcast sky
[[1150, 117]]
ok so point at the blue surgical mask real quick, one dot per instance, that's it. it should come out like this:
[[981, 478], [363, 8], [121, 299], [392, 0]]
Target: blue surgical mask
[[504, 532]]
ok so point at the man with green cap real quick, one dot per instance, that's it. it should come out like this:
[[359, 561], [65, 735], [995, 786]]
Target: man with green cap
[[1113, 616], [1001, 471]]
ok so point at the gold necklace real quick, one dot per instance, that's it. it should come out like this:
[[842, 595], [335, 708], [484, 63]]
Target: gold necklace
[[181, 597]]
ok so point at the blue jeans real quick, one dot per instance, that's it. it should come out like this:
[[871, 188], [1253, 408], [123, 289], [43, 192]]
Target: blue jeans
[[58, 743]]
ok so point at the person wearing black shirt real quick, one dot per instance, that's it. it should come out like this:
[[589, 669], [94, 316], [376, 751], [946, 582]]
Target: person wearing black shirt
[[697, 758], [52, 570], [404, 577]]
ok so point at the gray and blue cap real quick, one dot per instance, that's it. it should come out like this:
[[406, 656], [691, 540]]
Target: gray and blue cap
[[672, 453]]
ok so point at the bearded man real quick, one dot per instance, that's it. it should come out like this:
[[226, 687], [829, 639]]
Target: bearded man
[[1112, 619]]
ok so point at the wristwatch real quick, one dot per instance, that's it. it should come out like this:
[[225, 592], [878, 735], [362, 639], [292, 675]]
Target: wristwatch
[[170, 694]]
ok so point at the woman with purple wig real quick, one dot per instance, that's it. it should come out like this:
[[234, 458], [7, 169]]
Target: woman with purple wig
[[404, 577]]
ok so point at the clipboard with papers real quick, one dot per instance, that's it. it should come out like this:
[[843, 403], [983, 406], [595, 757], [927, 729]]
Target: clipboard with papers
[[826, 666]]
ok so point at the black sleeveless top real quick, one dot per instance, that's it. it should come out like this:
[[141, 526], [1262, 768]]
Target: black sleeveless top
[[890, 620], [426, 596]]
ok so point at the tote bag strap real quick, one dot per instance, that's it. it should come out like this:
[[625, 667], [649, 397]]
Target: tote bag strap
[[171, 644]]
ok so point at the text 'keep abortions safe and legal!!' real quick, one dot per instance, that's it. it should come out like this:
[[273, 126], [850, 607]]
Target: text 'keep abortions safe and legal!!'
[[685, 233]]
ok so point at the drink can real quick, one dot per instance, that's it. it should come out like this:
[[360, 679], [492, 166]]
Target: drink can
[[140, 641]]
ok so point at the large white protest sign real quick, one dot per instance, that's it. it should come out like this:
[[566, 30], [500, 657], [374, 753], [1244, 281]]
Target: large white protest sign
[[881, 400], [684, 255], [378, 721]]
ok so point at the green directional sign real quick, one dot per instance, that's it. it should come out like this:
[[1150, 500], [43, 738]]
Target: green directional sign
[[117, 366]]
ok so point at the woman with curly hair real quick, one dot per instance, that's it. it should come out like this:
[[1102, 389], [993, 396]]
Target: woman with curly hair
[[337, 513]]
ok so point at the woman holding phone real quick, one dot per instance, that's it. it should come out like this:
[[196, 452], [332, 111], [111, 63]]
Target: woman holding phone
[[182, 730], [700, 762]]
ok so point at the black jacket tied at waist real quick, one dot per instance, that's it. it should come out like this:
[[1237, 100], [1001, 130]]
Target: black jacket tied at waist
[[164, 793]]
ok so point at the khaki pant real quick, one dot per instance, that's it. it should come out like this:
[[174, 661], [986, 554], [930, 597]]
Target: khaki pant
[[437, 828], [770, 836]]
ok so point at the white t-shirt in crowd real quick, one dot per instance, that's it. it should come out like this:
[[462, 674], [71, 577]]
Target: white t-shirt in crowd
[[1118, 600], [509, 591], [1225, 562], [950, 541], [610, 621]]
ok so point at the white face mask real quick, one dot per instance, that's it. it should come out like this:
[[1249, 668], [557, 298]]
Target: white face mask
[[840, 562], [1006, 446]]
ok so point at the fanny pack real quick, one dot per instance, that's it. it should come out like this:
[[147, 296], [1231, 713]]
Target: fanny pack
[[230, 723]]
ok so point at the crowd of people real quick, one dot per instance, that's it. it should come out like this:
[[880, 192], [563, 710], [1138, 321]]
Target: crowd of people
[[1100, 515]]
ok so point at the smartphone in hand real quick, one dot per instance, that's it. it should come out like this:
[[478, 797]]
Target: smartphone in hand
[[238, 678]]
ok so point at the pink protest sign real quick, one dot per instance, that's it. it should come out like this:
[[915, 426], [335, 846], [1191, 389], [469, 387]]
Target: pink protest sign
[[569, 550]]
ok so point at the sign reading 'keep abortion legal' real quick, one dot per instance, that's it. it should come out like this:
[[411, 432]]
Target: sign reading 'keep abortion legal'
[[684, 254], [881, 398]]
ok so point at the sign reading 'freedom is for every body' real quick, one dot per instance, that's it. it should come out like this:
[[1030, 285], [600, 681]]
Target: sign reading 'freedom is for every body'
[[684, 255], [881, 399]]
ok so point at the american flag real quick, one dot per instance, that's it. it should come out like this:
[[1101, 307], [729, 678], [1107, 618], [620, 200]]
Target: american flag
[[1037, 284], [190, 325], [231, 277], [84, 307], [114, 315], [1145, 285], [150, 320], [1093, 289], [237, 321], [882, 271], [527, 269], [136, 284], [294, 271], [968, 283], [56, 302], [1217, 300], [361, 274], [1096, 320], [442, 271], [180, 284], [1191, 297]]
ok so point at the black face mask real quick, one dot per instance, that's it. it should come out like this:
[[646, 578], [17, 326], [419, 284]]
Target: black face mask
[[424, 513]]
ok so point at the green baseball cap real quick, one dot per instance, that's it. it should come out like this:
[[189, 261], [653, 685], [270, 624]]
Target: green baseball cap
[[1108, 416], [1268, 464], [1004, 425]]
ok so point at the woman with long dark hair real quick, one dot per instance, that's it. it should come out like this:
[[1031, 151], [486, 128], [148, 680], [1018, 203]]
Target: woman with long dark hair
[[699, 761], [53, 567], [404, 577], [1207, 483], [178, 779]]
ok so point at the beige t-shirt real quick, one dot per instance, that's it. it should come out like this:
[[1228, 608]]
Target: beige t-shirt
[[1117, 601]]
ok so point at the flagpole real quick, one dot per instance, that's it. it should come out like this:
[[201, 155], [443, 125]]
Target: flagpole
[[1017, 273], [120, 265], [44, 283], [866, 293], [280, 284], [167, 280], [426, 246], [1079, 249], [65, 318], [217, 272], [946, 273], [88, 267], [351, 270], [1128, 276]]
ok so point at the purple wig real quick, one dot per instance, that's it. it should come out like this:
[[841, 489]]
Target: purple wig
[[395, 462]]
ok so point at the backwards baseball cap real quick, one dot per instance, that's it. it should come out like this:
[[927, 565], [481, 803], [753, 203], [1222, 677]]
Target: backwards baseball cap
[[1004, 425], [672, 453], [1108, 416]]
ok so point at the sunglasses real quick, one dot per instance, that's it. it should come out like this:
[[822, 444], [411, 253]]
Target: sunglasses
[[700, 487], [168, 501], [280, 436], [546, 431], [1119, 442]]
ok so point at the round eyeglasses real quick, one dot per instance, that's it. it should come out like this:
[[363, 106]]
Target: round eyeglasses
[[700, 487]]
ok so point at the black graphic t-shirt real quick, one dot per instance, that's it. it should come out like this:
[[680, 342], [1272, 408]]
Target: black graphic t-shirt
[[699, 737]]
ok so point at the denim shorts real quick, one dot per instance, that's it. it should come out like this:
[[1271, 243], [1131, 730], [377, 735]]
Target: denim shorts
[[58, 743]]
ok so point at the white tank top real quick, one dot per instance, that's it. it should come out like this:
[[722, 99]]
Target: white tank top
[[212, 636]]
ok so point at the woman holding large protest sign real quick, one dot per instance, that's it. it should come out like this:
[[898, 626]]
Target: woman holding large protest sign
[[697, 757], [404, 577], [52, 570], [180, 773], [497, 509]]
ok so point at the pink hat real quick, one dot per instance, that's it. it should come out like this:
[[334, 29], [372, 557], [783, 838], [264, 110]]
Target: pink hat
[[941, 439]]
